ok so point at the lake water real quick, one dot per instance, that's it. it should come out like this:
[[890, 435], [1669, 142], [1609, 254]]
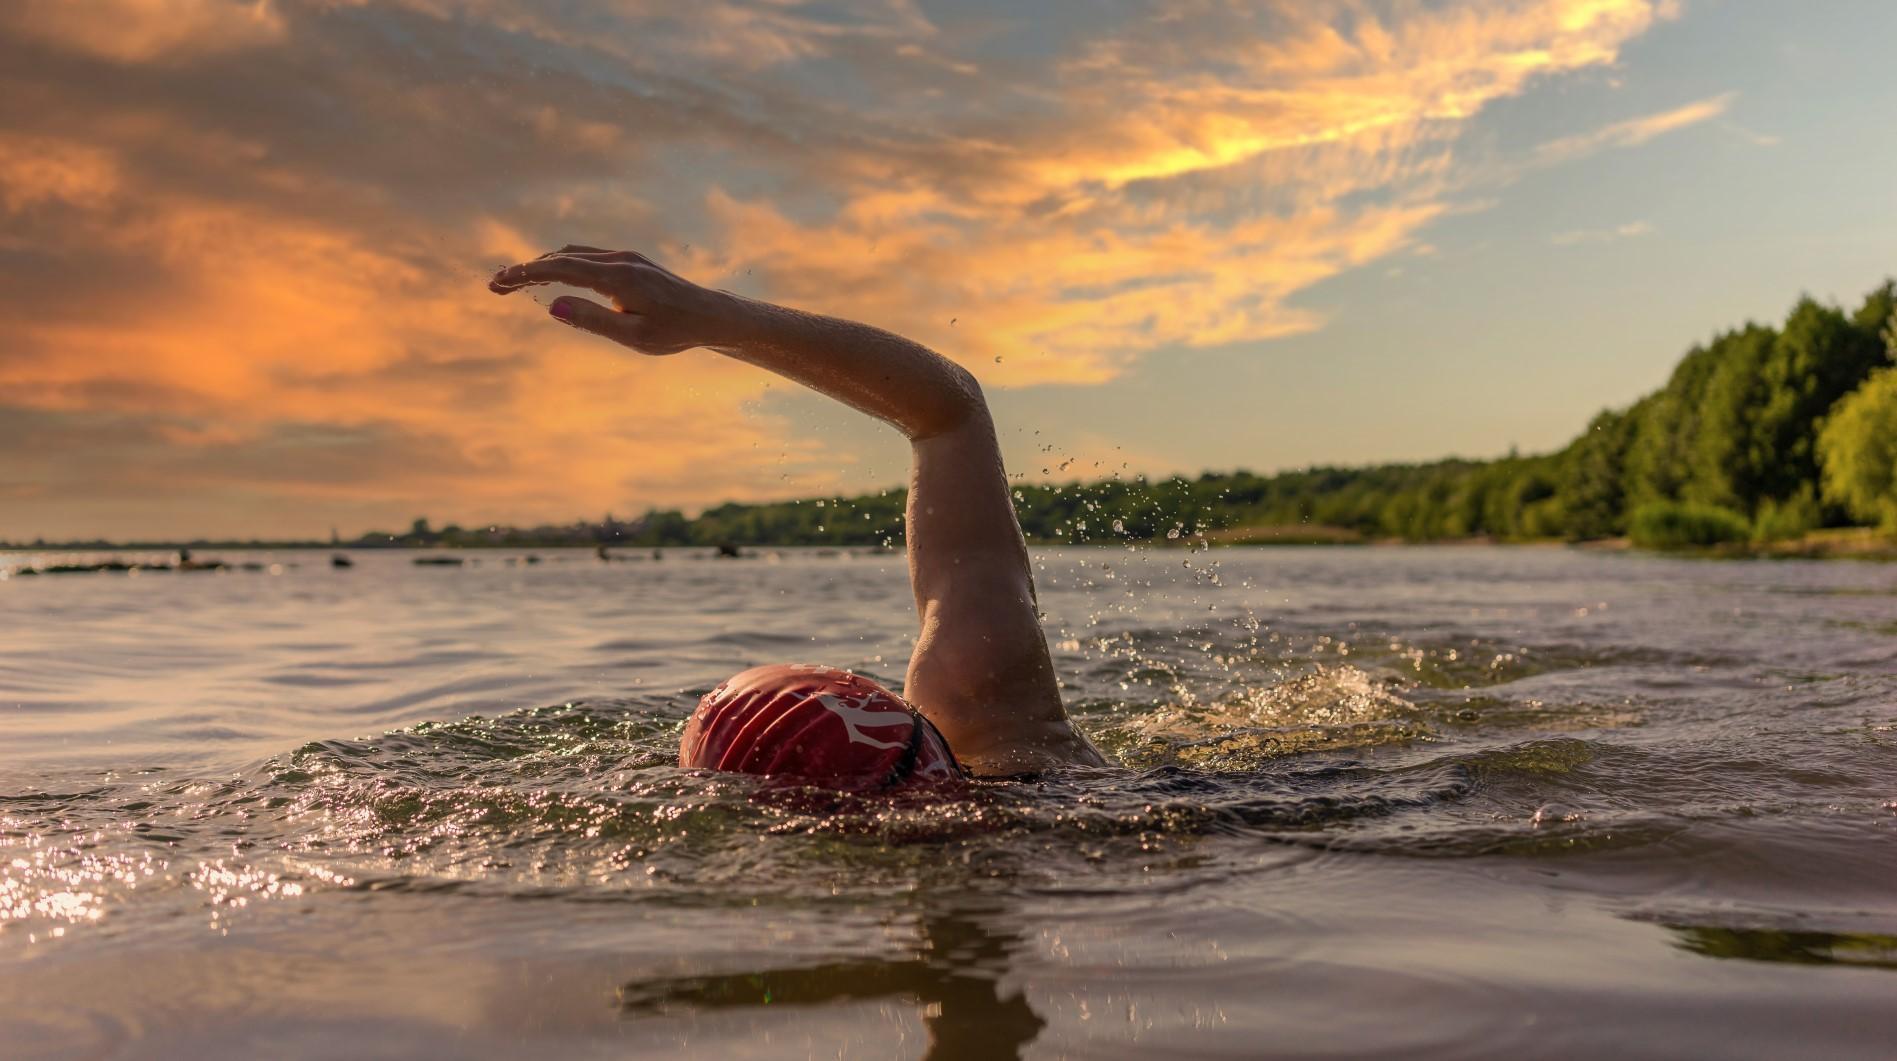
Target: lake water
[[1403, 802]]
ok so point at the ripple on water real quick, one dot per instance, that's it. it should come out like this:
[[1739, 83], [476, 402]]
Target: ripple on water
[[583, 801], [1295, 800]]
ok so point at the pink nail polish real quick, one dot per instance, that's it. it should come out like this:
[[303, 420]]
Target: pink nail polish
[[562, 310]]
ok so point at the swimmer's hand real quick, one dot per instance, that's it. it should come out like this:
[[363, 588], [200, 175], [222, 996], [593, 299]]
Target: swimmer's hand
[[653, 310]]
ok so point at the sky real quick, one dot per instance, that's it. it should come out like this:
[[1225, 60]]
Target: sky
[[244, 245]]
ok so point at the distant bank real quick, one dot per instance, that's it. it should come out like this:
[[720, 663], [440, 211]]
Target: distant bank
[[1775, 440]]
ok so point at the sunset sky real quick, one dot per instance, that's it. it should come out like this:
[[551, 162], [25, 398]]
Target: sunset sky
[[243, 246]]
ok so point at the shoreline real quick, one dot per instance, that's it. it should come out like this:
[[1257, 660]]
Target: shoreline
[[1832, 543], [1837, 543]]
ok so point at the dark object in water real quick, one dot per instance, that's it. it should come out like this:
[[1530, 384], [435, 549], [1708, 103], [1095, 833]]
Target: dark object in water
[[729, 550], [439, 561], [185, 563], [108, 566], [339, 560]]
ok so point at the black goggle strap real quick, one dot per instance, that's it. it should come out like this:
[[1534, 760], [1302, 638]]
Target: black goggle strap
[[907, 764]]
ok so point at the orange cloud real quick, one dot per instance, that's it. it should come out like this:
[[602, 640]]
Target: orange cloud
[[248, 239], [974, 290], [1130, 223], [311, 362], [134, 31], [35, 170]]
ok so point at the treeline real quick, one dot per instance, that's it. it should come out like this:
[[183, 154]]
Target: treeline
[[1764, 433]]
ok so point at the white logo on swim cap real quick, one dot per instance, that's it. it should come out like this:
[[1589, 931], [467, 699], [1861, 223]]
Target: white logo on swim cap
[[934, 768], [855, 716]]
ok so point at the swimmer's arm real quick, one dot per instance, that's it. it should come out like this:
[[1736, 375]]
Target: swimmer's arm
[[981, 646], [981, 669]]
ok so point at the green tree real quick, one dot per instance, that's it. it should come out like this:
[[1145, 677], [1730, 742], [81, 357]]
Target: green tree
[[1592, 477], [1878, 314], [1819, 357], [1666, 423], [1858, 447], [1726, 464], [1685, 525], [668, 527]]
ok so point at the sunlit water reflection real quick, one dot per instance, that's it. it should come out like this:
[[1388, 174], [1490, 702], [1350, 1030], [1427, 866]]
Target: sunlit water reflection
[[1414, 802]]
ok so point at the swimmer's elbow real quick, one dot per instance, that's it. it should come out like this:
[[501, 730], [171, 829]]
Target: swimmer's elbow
[[959, 402], [971, 404]]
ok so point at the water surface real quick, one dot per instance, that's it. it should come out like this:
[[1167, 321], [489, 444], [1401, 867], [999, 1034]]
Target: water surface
[[1406, 802]]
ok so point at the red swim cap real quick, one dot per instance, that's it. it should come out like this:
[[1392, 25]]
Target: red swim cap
[[815, 725]]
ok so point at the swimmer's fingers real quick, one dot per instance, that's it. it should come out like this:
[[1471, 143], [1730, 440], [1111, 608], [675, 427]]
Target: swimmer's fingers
[[613, 279], [627, 329], [599, 254], [649, 308], [607, 278], [587, 315]]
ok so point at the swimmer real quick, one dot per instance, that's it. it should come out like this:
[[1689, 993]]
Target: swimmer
[[981, 691]]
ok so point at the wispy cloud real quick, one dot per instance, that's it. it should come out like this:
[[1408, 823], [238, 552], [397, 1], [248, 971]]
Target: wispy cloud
[[1634, 131], [249, 237], [1749, 135], [1630, 230]]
